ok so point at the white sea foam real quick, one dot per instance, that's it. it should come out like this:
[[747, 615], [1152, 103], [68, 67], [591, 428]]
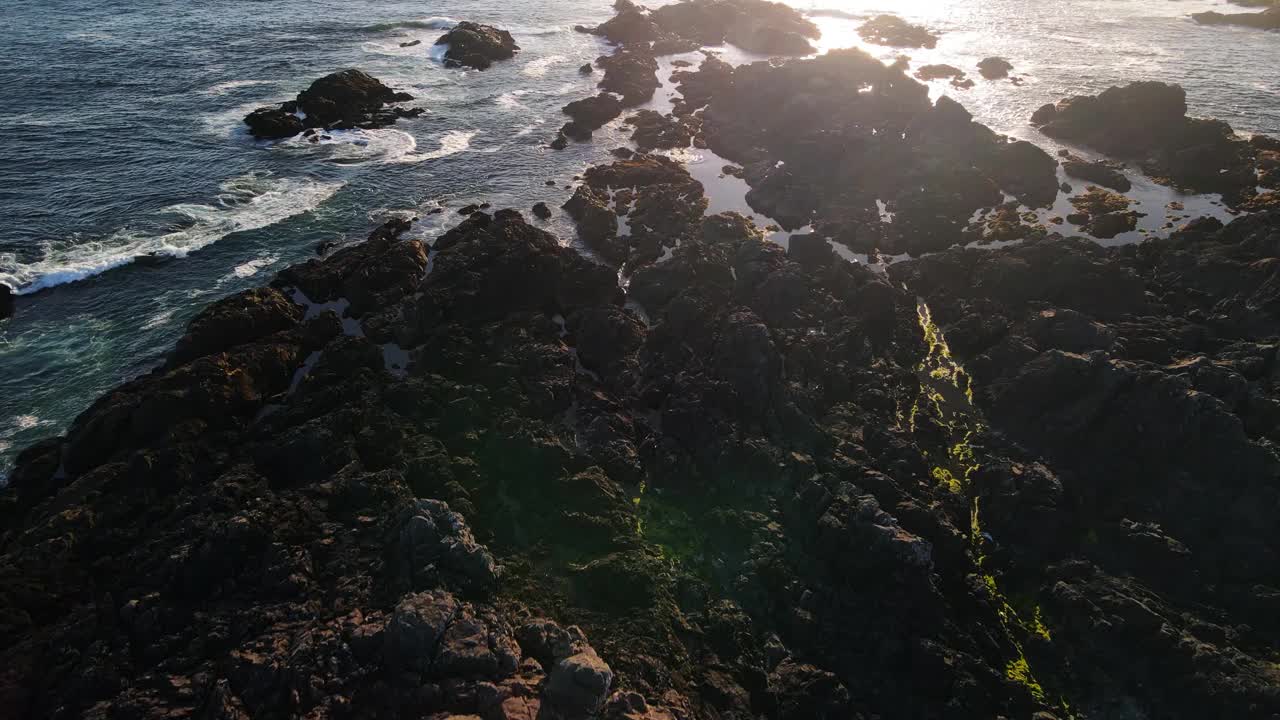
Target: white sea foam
[[160, 319], [251, 268], [246, 203], [511, 100], [539, 67], [350, 147], [451, 143], [223, 88]]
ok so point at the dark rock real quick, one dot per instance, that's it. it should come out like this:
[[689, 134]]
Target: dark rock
[[1147, 122], [411, 43], [346, 99], [594, 112], [654, 130], [894, 31], [586, 69], [6, 301], [1268, 19], [477, 46], [630, 74], [273, 123], [994, 68], [936, 72], [236, 320], [541, 211], [1096, 172]]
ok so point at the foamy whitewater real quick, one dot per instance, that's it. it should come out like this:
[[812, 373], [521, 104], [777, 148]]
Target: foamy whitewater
[[133, 196]]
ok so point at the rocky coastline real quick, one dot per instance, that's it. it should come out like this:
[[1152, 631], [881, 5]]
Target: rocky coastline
[[689, 473]]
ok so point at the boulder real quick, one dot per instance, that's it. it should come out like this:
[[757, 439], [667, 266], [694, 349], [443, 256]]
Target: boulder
[[580, 683], [994, 68], [273, 123], [345, 99], [477, 46]]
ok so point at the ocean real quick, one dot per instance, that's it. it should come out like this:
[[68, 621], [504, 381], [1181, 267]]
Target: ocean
[[132, 196]]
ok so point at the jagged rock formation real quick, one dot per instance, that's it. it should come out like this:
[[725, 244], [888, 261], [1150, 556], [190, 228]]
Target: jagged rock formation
[[477, 46], [342, 100]]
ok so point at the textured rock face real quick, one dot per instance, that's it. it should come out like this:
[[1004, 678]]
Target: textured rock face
[[1147, 122], [894, 31], [770, 498], [869, 136], [755, 25], [477, 46], [346, 99], [756, 483]]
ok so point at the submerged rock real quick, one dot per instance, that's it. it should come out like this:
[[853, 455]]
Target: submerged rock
[[477, 46], [1097, 172]]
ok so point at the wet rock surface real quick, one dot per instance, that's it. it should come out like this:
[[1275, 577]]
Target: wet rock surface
[[477, 46], [1147, 122], [1268, 19], [558, 509], [894, 31], [343, 100], [1139, 378], [858, 150], [706, 478], [757, 26]]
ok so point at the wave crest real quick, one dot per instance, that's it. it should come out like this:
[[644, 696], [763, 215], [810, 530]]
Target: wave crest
[[246, 203]]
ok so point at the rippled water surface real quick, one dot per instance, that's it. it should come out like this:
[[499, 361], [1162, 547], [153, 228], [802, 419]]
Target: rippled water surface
[[122, 138]]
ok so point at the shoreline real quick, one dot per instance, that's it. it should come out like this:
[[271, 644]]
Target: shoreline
[[454, 475]]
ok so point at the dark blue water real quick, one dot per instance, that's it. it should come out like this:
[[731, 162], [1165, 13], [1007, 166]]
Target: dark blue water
[[122, 137]]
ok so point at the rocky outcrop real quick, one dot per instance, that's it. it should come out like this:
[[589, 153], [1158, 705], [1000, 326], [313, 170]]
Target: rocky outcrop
[[342, 100], [1147, 367], [630, 74], [590, 114], [653, 130], [477, 46], [872, 137], [754, 25], [994, 68], [661, 202], [1147, 122], [893, 31], [559, 508], [1268, 19], [940, 72]]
